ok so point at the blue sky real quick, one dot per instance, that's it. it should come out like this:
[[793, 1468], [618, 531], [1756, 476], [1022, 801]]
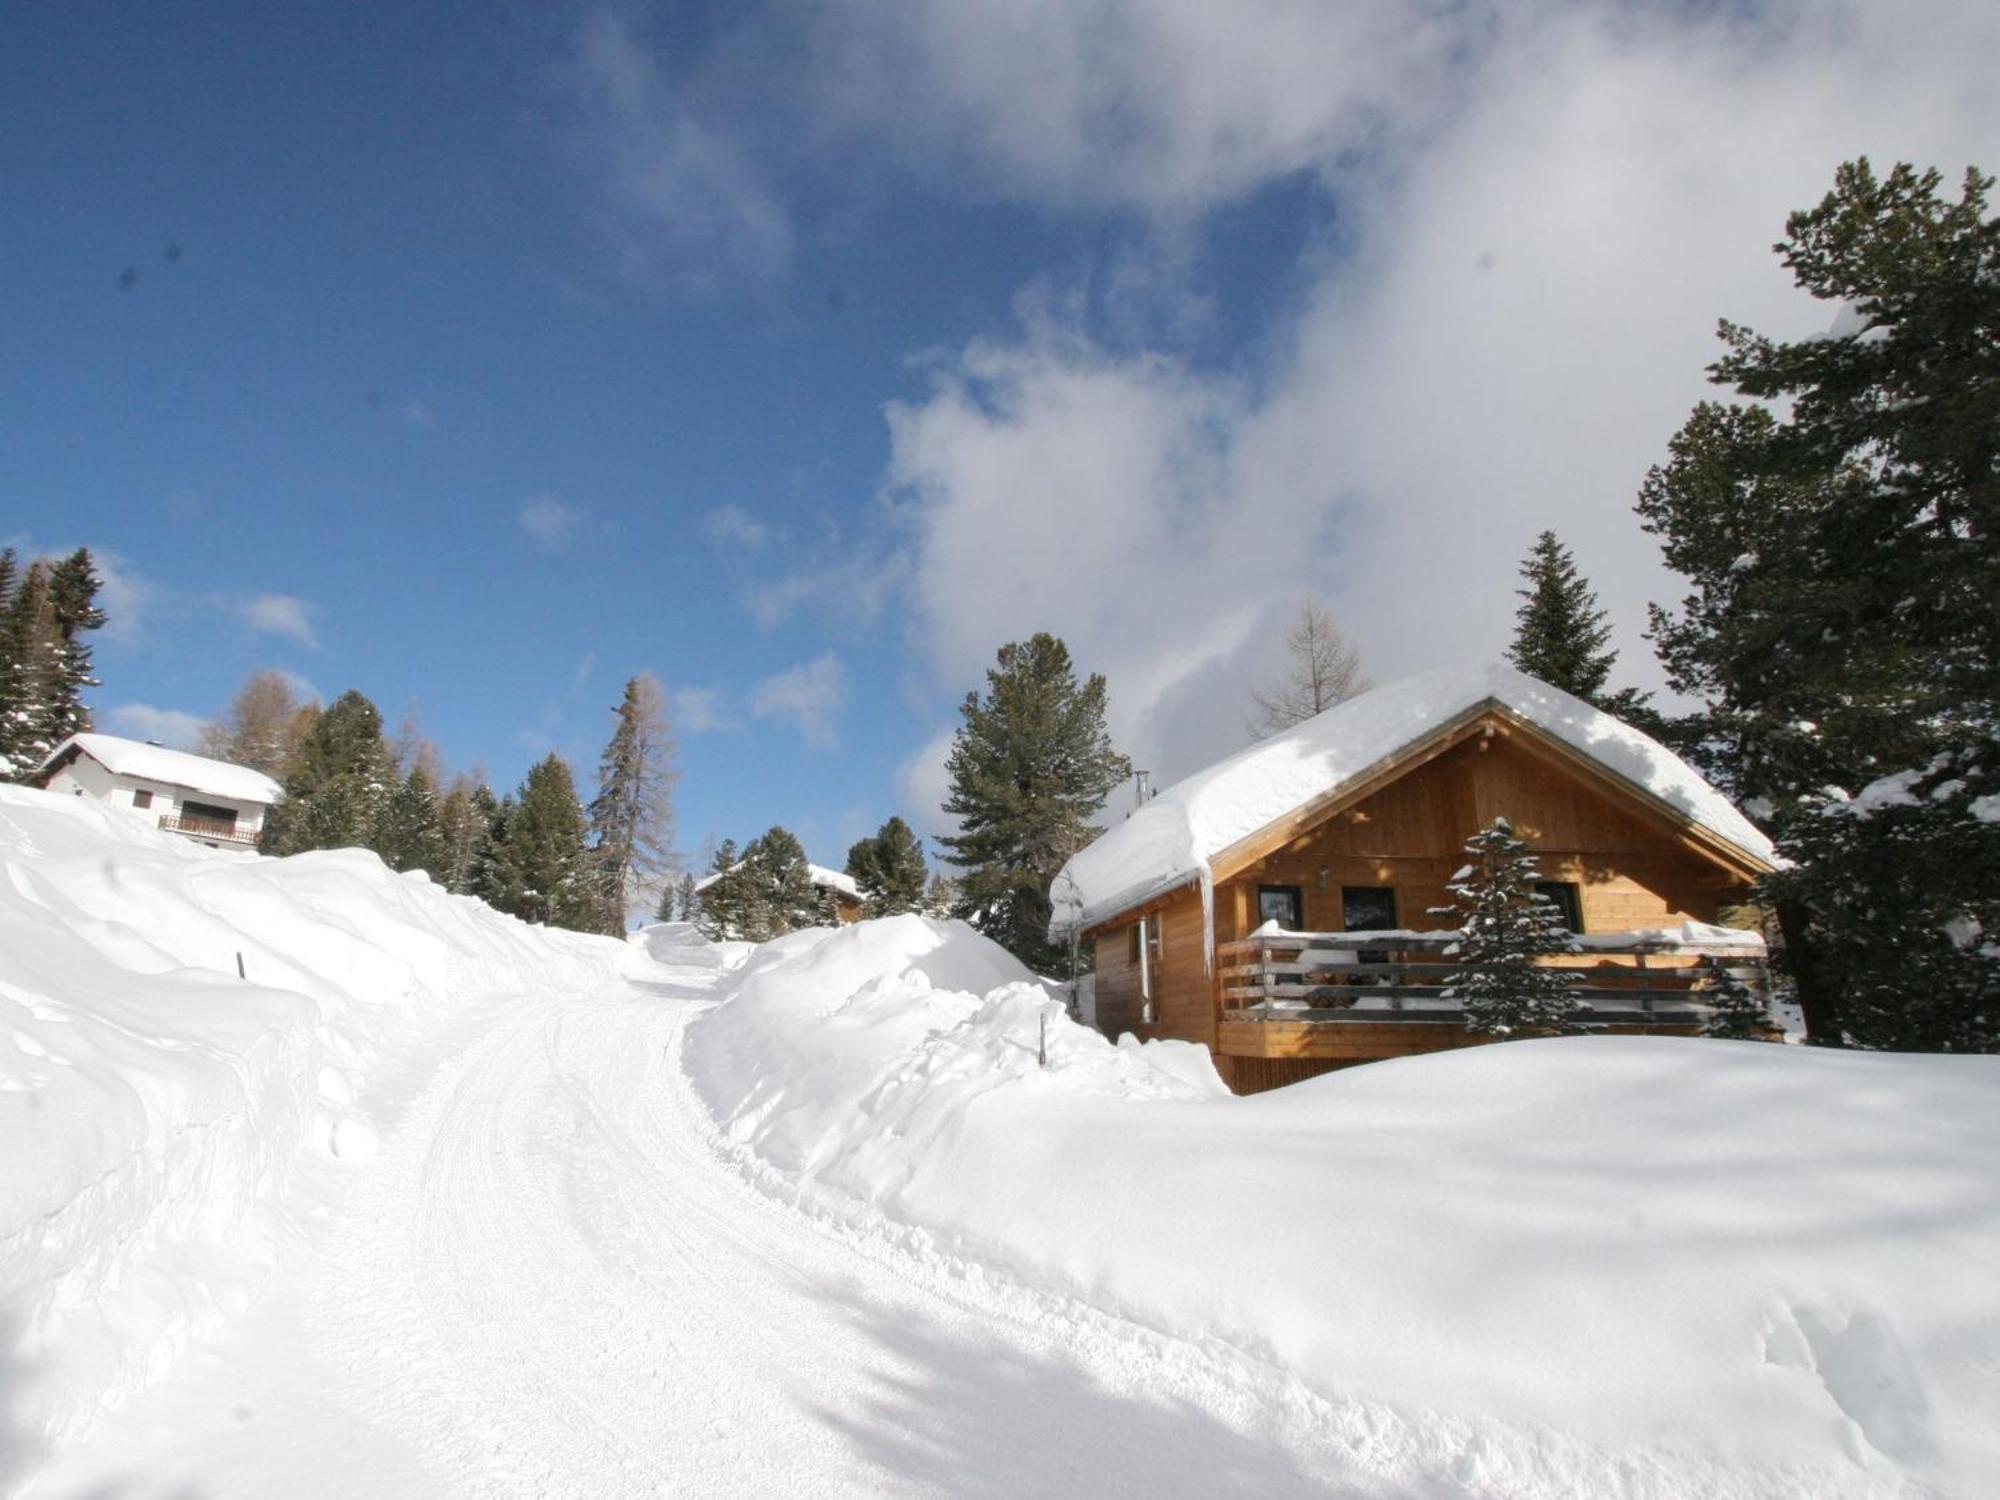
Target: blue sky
[[481, 358]]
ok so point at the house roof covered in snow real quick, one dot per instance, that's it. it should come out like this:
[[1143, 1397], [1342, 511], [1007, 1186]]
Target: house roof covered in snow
[[1173, 839], [197, 773], [825, 879]]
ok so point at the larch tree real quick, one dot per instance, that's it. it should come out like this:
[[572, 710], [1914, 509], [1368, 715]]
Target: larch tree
[[889, 868], [1840, 530], [263, 727], [1504, 926], [1321, 668], [1030, 767], [632, 816]]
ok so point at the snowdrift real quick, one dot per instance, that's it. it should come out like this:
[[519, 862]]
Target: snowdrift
[[165, 1125], [1620, 1266]]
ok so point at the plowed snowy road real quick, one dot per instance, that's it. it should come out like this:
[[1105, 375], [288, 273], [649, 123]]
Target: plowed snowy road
[[552, 1281]]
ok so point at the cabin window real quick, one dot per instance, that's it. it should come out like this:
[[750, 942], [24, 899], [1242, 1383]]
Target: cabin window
[[1283, 904], [142, 799], [1566, 899], [1367, 908], [208, 813]]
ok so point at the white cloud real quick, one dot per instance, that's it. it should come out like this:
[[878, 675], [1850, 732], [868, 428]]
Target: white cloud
[[812, 695], [552, 524], [303, 688], [923, 782], [689, 197], [124, 595], [731, 525], [1168, 105], [169, 726], [280, 614], [1523, 325], [701, 710], [855, 589]]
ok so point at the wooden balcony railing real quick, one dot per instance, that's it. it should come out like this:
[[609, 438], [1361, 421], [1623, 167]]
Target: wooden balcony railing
[[209, 828], [1405, 976]]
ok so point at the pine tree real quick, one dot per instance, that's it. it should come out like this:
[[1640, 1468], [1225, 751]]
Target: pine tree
[[889, 868], [410, 833], [541, 867], [721, 907], [940, 896], [464, 813], [9, 664], [45, 662], [632, 816], [32, 645], [1560, 636], [681, 902], [339, 784], [492, 876], [1842, 540], [1735, 1010], [1902, 882], [1029, 767], [777, 892], [1322, 668], [1504, 926], [264, 726]]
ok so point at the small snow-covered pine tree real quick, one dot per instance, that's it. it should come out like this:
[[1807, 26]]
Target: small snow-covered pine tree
[[1735, 1010], [542, 867], [1504, 926], [889, 868], [720, 912], [410, 834], [339, 783]]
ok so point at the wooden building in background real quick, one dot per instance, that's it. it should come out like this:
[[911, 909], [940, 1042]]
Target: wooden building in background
[[1279, 907]]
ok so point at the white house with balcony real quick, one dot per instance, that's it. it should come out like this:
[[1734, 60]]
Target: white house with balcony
[[209, 801]]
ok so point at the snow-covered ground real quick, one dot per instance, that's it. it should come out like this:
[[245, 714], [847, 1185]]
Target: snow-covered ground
[[436, 1204]]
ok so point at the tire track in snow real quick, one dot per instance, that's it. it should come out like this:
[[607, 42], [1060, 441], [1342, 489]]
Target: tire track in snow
[[568, 1292]]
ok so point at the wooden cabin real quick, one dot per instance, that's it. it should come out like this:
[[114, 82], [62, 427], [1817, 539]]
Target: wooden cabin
[[1278, 907]]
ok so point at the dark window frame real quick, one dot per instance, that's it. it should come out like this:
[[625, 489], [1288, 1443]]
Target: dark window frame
[[1297, 893], [142, 797], [1347, 922], [209, 812], [1567, 898]]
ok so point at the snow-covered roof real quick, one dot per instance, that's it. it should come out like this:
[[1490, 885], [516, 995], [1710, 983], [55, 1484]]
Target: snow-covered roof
[[123, 757], [1170, 841], [825, 879]]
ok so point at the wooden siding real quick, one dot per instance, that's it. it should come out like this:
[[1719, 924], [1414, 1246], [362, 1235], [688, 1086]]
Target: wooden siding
[[1630, 872], [1183, 989]]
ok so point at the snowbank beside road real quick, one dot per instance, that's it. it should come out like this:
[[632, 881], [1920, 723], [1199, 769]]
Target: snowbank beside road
[[164, 1124], [1633, 1266]]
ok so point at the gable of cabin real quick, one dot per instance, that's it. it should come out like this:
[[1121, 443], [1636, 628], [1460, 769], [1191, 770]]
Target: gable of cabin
[[1385, 859]]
